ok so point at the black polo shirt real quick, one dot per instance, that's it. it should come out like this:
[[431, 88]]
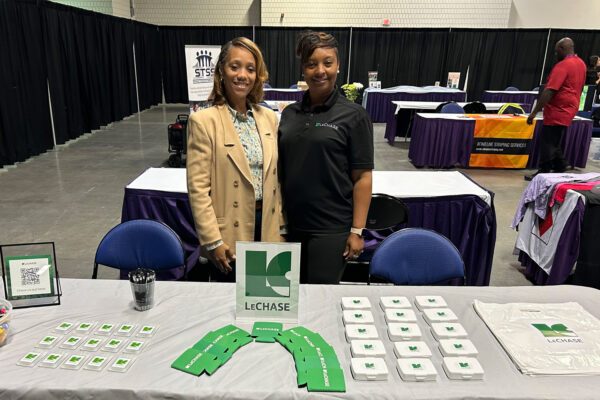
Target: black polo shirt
[[318, 149]]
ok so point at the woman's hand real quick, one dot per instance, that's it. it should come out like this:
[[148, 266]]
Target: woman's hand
[[221, 257], [354, 247]]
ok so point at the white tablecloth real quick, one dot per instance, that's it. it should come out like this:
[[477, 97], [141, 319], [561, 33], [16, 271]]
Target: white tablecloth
[[186, 311], [432, 105], [406, 184]]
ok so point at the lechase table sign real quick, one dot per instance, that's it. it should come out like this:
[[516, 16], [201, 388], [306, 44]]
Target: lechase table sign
[[268, 277]]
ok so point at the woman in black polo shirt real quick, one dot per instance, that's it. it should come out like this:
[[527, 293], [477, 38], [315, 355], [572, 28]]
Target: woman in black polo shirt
[[326, 158]]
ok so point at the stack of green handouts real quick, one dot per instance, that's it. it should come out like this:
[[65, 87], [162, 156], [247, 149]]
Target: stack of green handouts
[[212, 351], [317, 365]]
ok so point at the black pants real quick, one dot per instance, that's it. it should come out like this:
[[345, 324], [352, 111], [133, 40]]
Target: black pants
[[551, 154], [216, 274], [321, 260]]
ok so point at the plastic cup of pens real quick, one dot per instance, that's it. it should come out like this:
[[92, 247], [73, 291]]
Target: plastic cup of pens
[[142, 287]]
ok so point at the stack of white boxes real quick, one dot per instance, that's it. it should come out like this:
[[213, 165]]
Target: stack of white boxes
[[368, 352]]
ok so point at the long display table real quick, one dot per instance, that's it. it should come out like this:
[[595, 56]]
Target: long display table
[[186, 311], [447, 202]]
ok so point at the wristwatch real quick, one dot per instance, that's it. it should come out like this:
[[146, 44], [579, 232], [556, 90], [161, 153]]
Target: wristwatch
[[357, 231]]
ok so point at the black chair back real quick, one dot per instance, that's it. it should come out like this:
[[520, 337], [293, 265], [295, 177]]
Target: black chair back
[[475, 107], [386, 212]]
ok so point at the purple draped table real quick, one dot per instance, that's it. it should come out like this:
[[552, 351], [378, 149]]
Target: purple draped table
[[462, 211], [283, 94], [525, 98], [378, 102], [449, 203], [444, 140]]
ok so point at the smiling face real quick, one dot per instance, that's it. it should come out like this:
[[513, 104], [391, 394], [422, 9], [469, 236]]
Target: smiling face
[[320, 72], [239, 74]]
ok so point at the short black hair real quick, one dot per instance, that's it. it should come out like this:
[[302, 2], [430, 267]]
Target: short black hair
[[309, 41]]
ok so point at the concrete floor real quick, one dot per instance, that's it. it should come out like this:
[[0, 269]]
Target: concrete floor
[[73, 195]]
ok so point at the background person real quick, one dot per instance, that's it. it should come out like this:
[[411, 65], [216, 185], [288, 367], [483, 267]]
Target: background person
[[560, 101], [326, 158], [592, 76], [232, 160]]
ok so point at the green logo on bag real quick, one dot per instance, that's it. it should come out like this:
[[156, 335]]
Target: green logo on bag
[[93, 341], [52, 357], [126, 327], [395, 301], [412, 348], [74, 359], [463, 365], [368, 346], [449, 328], [357, 315], [147, 329], [84, 326], [416, 366], [98, 360], [356, 301], [361, 330], [264, 280], [114, 342], [106, 327], [458, 346], [370, 365], [30, 356], [431, 300], [404, 329], [555, 330], [121, 362], [441, 313], [48, 339], [65, 325], [73, 339], [135, 344], [400, 314]]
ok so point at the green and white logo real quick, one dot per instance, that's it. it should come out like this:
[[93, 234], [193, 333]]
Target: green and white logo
[[556, 330], [264, 280]]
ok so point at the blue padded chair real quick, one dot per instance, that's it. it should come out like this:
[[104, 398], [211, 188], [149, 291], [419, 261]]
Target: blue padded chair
[[536, 89], [452, 108], [140, 243], [267, 86], [294, 86], [511, 89], [417, 256]]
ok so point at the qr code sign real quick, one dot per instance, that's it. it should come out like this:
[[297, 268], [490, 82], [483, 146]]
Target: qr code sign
[[29, 276]]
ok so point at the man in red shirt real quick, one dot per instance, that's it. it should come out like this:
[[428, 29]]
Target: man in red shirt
[[560, 101]]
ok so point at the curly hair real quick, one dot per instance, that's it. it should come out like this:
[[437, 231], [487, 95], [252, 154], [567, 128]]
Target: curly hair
[[309, 41], [218, 95]]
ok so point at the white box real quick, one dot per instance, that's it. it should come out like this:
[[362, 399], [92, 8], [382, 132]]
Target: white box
[[367, 348], [432, 315], [134, 346], [64, 327], [97, 362], [354, 332], [92, 344], [424, 302], [51, 360], [121, 364], [369, 369], [394, 302], [400, 315], [47, 342], [85, 327], [357, 317], [464, 368], [416, 369], [458, 348], [448, 330], [74, 361], [105, 329], [71, 342], [113, 345], [126, 329], [31, 358], [398, 331], [147, 330], [355, 303], [412, 349]]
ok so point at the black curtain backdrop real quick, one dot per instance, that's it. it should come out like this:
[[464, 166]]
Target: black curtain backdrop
[[90, 69], [496, 58], [25, 128], [587, 43], [148, 61], [278, 46], [400, 56], [173, 41]]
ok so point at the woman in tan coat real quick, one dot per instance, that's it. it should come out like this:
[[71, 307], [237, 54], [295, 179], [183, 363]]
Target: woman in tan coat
[[232, 160]]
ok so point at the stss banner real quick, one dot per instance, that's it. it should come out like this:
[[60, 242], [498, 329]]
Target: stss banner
[[501, 141]]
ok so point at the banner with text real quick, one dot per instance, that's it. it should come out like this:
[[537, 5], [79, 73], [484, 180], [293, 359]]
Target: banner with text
[[200, 62], [267, 281], [501, 141]]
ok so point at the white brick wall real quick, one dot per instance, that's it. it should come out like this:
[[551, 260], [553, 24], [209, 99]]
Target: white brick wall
[[121, 8], [102, 6], [578, 14], [198, 12], [401, 13]]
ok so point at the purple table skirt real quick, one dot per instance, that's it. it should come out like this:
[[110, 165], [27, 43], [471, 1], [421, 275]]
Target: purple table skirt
[[466, 220], [566, 253], [174, 210], [380, 107], [284, 96], [575, 144], [525, 99], [443, 143]]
